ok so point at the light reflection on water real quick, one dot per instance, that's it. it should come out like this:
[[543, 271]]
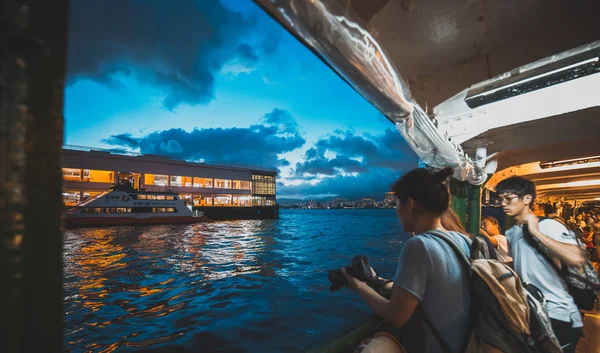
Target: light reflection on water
[[243, 286]]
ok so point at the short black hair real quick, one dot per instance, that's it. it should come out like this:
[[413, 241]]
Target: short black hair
[[518, 186], [425, 187]]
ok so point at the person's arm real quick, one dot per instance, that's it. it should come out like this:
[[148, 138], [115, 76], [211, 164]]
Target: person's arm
[[492, 239], [568, 253], [397, 310], [410, 282]]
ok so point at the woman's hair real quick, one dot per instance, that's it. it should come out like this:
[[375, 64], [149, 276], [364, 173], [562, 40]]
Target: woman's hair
[[426, 188], [451, 222]]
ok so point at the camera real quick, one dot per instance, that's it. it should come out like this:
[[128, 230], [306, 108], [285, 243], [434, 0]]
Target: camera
[[360, 269]]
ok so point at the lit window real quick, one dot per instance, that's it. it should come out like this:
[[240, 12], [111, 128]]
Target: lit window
[[222, 184], [203, 182], [160, 197], [141, 197], [121, 210], [151, 197], [170, 209], [170, 197], [101, 176], [160, 209], [175, 180], [71, 174], [98, 210]]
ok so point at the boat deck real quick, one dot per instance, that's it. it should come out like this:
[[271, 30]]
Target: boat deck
[[590, 343]]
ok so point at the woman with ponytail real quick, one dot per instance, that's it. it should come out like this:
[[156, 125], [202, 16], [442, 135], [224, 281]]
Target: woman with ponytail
[[431, 291]]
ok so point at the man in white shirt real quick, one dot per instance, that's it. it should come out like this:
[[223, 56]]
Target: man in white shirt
[[517, 196], [491, 228]]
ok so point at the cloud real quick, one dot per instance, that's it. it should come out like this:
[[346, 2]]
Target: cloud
[[356, 154], [126, 140], [257, 145], [350, 165], [177, 48], [372, 184], [330, 166]]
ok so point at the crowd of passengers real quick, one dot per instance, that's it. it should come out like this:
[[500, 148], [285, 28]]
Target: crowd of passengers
[[431, 288]]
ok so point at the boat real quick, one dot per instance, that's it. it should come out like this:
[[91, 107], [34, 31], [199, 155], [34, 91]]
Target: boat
[[473, 85], [125, 206]]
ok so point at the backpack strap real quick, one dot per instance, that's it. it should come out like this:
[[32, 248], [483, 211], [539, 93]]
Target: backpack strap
[[463, 258], [457, 249]]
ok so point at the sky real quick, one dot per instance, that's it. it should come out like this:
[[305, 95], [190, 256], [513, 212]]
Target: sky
[[220, 81]]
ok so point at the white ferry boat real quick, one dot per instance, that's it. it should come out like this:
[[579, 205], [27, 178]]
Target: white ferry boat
[[126, 206]]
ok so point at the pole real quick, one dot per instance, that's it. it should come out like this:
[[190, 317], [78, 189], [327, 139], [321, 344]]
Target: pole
[[474, 208], [458, 191], [32, 75]]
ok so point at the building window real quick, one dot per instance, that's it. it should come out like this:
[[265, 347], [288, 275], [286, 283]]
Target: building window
[[203, 182], [222, 184], [160, 197], [151, 197], [98, 210], [222, 200], [180, 180], [141, 197], [263, 201], [263, 185], [200, 200], [241, 185], [101, 176], [170, 209], [71, 174], [169, 197], [186, 198], [242, 201], [71, 198], [156, 179]]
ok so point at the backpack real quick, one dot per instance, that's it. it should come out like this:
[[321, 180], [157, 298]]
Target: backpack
[[582, 281], [505, 316]]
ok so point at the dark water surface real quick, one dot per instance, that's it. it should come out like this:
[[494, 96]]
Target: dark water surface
[[240, 286]]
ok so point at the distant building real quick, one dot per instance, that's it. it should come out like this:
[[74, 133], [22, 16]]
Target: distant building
[[367, 202], [87, 172]]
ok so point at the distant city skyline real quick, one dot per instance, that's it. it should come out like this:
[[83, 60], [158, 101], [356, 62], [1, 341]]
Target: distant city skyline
[[222, 82]]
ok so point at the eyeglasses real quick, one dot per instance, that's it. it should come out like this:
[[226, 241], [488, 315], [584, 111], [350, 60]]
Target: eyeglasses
[[507, 199]]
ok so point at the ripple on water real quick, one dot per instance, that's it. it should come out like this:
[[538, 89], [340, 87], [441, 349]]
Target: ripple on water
[[242, 286]]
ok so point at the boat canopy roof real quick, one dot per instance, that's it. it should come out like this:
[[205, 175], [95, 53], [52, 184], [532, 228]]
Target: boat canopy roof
[[482, 86]]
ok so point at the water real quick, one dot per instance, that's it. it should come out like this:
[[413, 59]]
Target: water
[[241, 286]]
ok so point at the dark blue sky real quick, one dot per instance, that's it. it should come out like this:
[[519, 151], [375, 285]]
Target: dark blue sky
[[222, 82]]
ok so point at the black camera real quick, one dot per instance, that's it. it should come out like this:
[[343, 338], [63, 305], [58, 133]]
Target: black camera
[[360, 269]]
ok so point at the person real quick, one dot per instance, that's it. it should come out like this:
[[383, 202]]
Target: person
[[517, 196], [491, 228], [580, 221], [430, 280], [450, 221]]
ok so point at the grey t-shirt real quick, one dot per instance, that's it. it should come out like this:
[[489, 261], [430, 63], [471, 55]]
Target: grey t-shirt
[[430, 270], [533, 268]]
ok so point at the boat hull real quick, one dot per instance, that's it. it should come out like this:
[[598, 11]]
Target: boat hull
[[79, 222]]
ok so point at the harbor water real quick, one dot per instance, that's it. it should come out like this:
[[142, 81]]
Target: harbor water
[[239, 286]]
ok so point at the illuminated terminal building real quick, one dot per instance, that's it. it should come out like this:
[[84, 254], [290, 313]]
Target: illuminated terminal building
[[220, 191]]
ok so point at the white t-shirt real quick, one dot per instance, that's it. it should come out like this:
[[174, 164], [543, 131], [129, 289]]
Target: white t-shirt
[[533, 268], [502, 250]]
